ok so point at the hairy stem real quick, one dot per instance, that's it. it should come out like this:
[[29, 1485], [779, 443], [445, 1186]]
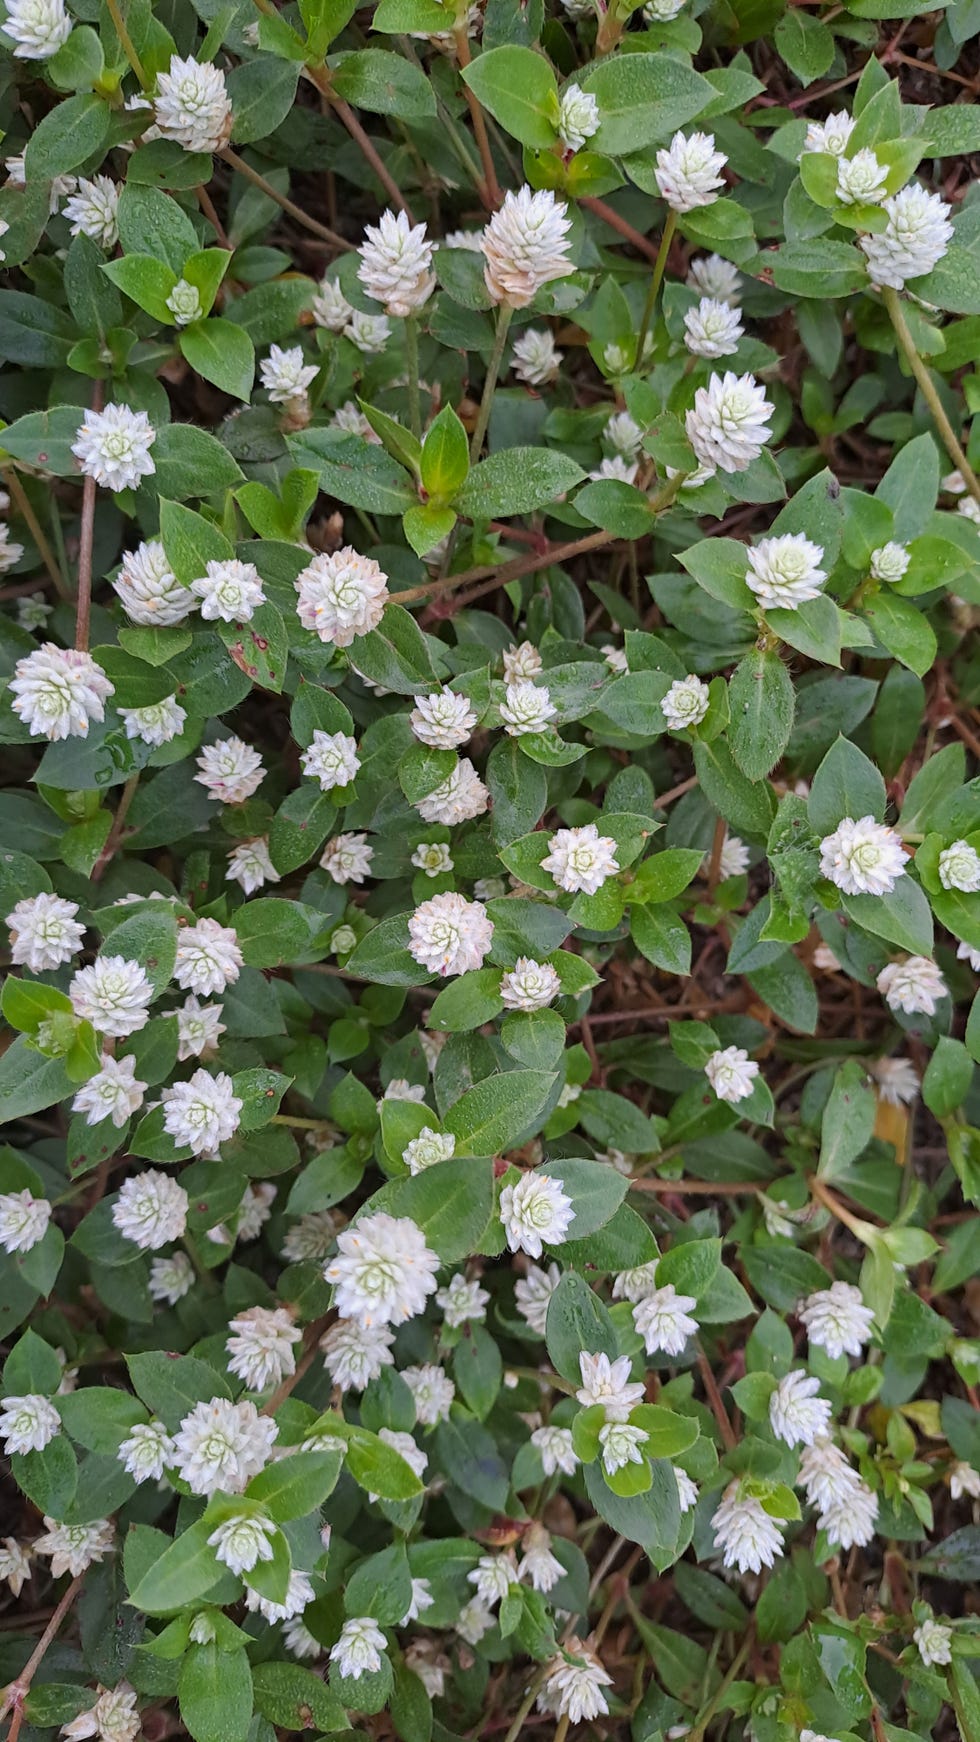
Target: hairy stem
[[490, 190], [655, 282], [115, 833], [287, 205], [21, 501], [14, 1696], [504, 315], [927, 386], [126, 42], [86, 535]]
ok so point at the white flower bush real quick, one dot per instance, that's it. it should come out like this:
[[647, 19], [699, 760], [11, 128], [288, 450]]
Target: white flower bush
[[490, 543]]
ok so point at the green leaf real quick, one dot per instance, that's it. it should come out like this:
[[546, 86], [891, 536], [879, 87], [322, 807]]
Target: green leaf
[[643, 99], [848, 1120], [518, 88], [146, 281], [383, 83], [516, 481], [902, 628], [762, 706], [902, 916], [69, 133], [747, 807], [596, 1189], [215, 1693], [262, 93], [452, 1203], [191, 463], [445, 458], [223, 353], [494, 1115], [846, 784], [577, 1322], [291, 1696]]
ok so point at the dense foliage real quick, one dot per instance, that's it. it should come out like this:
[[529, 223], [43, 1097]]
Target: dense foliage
[[491, 869]]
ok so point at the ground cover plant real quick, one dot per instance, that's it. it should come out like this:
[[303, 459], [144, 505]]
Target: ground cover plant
[[490, 868]]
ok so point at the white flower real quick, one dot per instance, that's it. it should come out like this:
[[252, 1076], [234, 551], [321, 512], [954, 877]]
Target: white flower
[[637, 1283], [444, 720], [261, 1346], [731, 1073], [836, 1319], [298, 1639], [93, 210], [889, 562], [347, 858], [38, 27], [450, 935], [299, 1592], [243, 1540], [581, 859], [461, 796], [715, 277], [74, 1547], [400, 1089], [44, 932], [28, 1423], [114, 1092], [427, 1149], [785, 571], [863, 857], [351, 420], [310, 1238], [285, 376], [343, 940], [618, 467], [202, 1113], [578, 117], [535, 1211], [463, 1302], [492, 1578], [230, 770], [354, 1354], [61, 185], [861, 179], [146, 1451], [734, 858], [556, 1449], [331, 759], [529, 985], [192, 104], [532, 1294], [536, 358], [826, 1476], [850, 1522], [615, 659], [370, 333], [432, 1392], [471, 240], [521, 663], [424, 1661], [685, 703], [897, 1081], [959, 867], [330, 306], [199, 1028], [608, 1382], [113, 447], [184, 303], [406, 1448], [713, 329], [156, 724], [574, 1683], [341, 596], [58, 690], [747, 1537], [687, 1492], [963, 1479], [831, 135], [208, 957], [229, 590], [620, 1444], [113, 1717], [148, 590], [113, 995], [525, 246], [915, 239], [222, 1445], [915, 986], [358, 1650], [726, 426], [526, 709], [250, 865], [15, 1564], [663, 1319], [383, 1270], [473, 1621], [421, 1599], [396, 264], [432, 857], [171, 1278], [151, 1210], [23, 1220], [663, 11], [934, 1642], [687, 171], [796, 1413]]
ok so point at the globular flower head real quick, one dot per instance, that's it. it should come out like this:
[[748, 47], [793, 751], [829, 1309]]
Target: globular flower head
[[33, 613], [831, 135], [44, 932], [914, 240], [826, 1477], [354, 1354], [193, 107], [715, 277], [573, 1686], [230, 591], [535, 1212], [836, 1319], [747, 1537], [889, 562], [608, 1383], [158, 723], [620, 1444], [785, 571], [15, 1564], [526, 708], [713, 328], [796, 1413], [556, 1449], [58, 691], [959, 867], [734, 859], [74, 1547], [914, 985], [934, 1641], [687, 1493], [199, 1029], [113, 995], [532, 1294], [28, 1423], [688, 171], [208, 957], [521, 663], [861, 179], [113, 447], [331, 759], [93, 210], [243, 1540], [850, 1522], [896, 1081], [370, 333], [151, 1210], [581, 859], [685, 703], [456, 799], [529, 985], [347, 858], [148, 590], [396, 264], [578, 117], [184, 303], [492, 1578], [358, 1650], [383, 1271], [222, 1445], [330, 306], [146, 1451], [664, 1320], [202, 1113], [731, 1073], [432, 857], [114, 1092], [536, 357], [341, 596], [171, 1278], [428, 1149], [432, 1392], [862, 857], [663, 11], [444, 720], [38, 27], [230, 770], [726, 426], [463, 1302], [23, 1220], [450, 935], [299, 1592], [249, 864], [260, 1346], [285, 376], [525, 246]]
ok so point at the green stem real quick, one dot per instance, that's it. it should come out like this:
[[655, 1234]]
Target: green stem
[[504, 316], [656, 281], [126, 42], [412, 363], [927, 387]]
